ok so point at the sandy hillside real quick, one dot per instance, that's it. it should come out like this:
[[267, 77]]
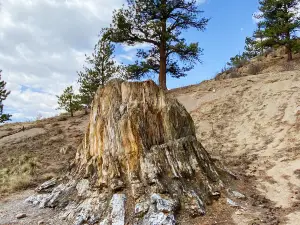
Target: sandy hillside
[[250, 123]]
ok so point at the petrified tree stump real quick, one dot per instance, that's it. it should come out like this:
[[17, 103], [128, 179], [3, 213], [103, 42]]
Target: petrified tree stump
[[141, 144]]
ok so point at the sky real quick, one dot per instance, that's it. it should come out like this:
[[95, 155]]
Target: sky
[[43, 43]]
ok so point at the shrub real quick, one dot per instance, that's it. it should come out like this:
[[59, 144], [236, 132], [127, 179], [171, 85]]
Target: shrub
[[234, 74], [20, 182], [238, 61], [288, 66], [296, 48], [225, 70], [20, 176], [218, 76], [62, 118], [254, 69]]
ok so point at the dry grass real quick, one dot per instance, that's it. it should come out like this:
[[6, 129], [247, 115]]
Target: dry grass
[[288, 66], [255, 68], [20, 182], [228, 73], [30, 157], [20, 176], [273, 61]]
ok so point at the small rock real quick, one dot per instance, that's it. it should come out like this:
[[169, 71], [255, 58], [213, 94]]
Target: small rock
[[238, 195], [163, 205], [83, 187], [216, 195], [35, 199], [141, 208], [232, 203], [79, 220], [41, 222], [21, 215], [238, 213], [161, 219], [46, 185]]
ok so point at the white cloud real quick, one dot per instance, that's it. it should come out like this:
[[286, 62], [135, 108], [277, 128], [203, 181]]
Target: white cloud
[[130, 57], [129, 51], [42, 44]]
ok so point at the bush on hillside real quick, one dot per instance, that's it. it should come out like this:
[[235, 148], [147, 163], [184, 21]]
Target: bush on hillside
[[238, 61], [288, 66], [254, 69], [296, 48], [229, 73]]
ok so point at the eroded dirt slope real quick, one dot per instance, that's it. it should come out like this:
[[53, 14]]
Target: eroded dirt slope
[[36, 151], [252, 124]]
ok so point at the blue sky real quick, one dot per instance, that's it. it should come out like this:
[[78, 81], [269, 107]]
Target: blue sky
[[231, 22], [43, 43]]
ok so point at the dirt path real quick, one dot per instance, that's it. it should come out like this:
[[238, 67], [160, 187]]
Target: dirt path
[[17, 137], [14, 205]]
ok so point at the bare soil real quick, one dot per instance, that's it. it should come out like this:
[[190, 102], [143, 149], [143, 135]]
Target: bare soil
[[252, 125]]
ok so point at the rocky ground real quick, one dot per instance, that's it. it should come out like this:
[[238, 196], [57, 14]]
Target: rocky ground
[[250, 123]]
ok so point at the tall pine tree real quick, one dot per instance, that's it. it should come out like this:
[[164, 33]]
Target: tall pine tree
[[281, 20], [101, 67], [3, 95], [159, 23]]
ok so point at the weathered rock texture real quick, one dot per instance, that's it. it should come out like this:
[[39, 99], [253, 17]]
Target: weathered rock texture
[[142, 144], [141, 162]]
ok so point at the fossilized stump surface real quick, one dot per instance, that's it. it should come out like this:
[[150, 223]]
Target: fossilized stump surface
[[142, 142], [141, 162]]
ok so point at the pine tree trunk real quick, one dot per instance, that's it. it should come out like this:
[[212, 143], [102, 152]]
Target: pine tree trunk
[[162, 70], [163, 57]]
